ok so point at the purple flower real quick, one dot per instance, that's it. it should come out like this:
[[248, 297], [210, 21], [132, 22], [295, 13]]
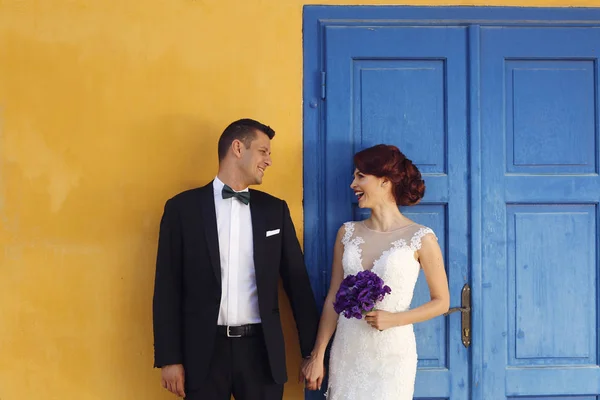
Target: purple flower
[[358, 294]]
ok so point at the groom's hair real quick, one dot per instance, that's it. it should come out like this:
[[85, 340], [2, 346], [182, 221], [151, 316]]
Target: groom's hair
[[243, 130]]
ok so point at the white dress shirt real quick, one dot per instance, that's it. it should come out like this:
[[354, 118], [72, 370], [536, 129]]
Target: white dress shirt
[[239, 298]]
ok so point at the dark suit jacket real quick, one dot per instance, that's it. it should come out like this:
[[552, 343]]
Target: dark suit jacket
[[187, 292]]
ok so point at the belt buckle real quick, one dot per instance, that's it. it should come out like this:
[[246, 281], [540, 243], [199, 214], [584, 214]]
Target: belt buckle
[[229, 335]]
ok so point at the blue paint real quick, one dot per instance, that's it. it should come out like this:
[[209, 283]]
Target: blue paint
[[539, 146], [474, 142], [423, 91], [416, 100], [544, 100], [555, 288], [392, 15], [498, 108]]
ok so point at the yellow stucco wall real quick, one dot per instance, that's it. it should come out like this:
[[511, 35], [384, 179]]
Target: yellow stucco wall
[[107, 108]]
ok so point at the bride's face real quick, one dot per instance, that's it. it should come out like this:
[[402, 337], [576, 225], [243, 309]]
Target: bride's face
[[369, 189]]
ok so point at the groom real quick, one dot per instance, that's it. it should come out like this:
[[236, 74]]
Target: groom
[[222, 249]]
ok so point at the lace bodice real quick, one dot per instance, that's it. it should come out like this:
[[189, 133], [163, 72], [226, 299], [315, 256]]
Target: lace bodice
[[391, 255], [366, 363]]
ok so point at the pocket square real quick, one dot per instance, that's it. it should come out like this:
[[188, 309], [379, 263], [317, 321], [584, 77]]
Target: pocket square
[[273, 232]]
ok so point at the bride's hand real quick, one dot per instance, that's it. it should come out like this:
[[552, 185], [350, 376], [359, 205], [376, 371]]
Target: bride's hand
[[382, 320], [314, 372]]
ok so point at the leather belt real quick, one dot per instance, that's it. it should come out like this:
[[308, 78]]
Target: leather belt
[[239, 331]]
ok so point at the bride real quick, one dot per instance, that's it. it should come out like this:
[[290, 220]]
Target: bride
[[375, 357]]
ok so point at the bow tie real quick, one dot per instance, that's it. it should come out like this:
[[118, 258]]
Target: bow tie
[[228, 192]]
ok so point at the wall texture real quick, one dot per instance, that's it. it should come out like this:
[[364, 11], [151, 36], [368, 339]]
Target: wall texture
[[108, 108]]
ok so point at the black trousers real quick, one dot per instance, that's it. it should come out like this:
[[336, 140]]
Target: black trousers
[[239, 366]]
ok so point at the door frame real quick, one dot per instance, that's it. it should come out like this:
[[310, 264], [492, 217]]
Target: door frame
[[315, 20]]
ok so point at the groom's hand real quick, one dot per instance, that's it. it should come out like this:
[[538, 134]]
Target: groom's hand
[[312, 372], [172, 379]]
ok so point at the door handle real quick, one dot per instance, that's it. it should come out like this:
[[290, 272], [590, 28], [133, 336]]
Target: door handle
[[465, 311], [455, 309]]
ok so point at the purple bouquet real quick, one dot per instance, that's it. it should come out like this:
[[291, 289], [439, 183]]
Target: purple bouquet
[[359, 293]]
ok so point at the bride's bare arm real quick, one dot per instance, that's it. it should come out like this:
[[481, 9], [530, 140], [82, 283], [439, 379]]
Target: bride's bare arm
[[313, 370], [329, 317]]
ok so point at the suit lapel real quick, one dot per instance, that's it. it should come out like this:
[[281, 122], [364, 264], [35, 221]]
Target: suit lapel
[[209, 215], [258, 214]]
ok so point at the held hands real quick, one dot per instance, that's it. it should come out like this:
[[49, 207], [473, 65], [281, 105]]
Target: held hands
[[382, 320], [172, 379], [312, 372]]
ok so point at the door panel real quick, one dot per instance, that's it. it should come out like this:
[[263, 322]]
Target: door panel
[[540, 212], [406, 86]]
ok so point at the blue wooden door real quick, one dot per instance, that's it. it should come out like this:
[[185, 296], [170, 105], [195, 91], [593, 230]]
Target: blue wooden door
[[499, 108], [540, 186], [406, 86]]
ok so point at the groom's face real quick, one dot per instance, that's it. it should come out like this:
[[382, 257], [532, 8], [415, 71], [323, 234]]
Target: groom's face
[[256, 158]]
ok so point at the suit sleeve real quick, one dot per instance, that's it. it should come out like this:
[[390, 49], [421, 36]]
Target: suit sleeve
[[166, 305], [297, 285]]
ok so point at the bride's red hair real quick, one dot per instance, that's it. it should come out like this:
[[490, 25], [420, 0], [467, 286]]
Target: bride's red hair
[[387, 161]]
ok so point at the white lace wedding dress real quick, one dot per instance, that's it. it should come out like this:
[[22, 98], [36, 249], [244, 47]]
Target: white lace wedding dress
[[366, 363]]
